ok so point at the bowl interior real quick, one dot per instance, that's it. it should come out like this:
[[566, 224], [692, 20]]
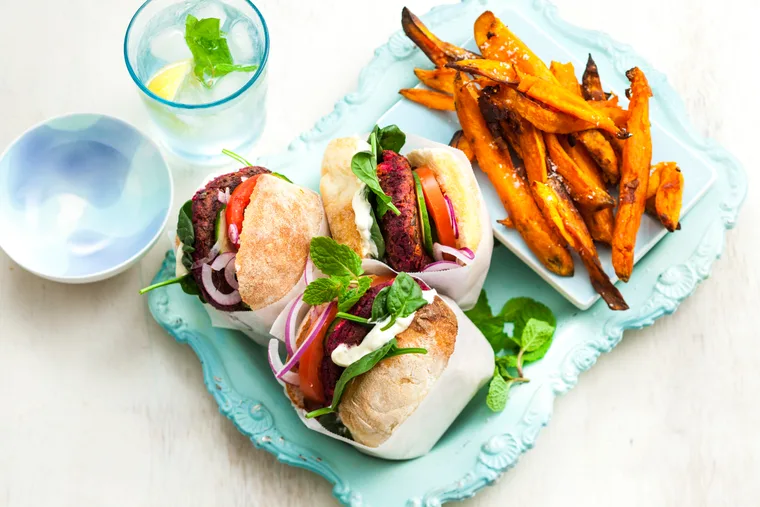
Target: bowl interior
[[82, 197]]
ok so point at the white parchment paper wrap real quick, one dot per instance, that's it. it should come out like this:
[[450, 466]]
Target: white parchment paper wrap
[[470, 367], [462, 284]]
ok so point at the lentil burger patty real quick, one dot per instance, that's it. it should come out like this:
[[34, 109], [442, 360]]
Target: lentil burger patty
[[206, 206], [403, 238]]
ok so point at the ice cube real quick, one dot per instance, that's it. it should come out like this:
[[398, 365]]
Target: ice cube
[[211, 10], [170, 46], [227, 85], [241, 44]]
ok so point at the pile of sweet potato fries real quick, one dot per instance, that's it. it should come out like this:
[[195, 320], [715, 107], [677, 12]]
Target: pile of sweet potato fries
[[575, 141]]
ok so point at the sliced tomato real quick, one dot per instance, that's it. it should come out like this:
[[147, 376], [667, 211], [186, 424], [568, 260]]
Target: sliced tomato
[[308, 366], [238, 202], [436, 207]]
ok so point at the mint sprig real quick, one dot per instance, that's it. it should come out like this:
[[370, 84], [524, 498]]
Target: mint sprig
[[211, 54], [364, 163], [532, 335], [343, 267]]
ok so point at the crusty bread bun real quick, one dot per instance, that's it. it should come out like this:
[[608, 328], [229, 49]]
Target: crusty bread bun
[[458, 184], [338, 186], [278, 226], [375, 403]]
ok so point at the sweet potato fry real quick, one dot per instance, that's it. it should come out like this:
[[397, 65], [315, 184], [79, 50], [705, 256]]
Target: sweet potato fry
[[439, 52], [569, 223], [665, 194], [437, 79], [612, 110], [602, 152], [507, 222], [592, 84], [582, 187], [497, 42], [533, 152], [600, 223], [542, 118], [634, 176], [512, 136], [554, 95], [501, 72], [429, 98], [459, 142], [597, 145], [510, 186], [565, 74]]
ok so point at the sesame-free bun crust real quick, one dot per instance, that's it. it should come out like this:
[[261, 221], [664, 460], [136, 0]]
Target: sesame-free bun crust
[[457, 181], [338, 186], [278, 226], [375, 403]]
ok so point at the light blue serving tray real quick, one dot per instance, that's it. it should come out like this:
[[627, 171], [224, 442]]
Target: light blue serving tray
[[480, 445]]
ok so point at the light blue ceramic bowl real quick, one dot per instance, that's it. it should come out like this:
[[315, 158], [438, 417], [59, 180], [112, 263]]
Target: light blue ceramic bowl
[[82, 198]]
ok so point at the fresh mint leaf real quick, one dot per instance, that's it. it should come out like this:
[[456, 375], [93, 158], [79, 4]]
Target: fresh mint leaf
[[212, 58], [353, 370], [349, 298], [391, 138], [380, 305], [404, 297], [519, 310], [491, 326], [364, 166], [322, 290], [535, 334], [334, 259], [498, 392]]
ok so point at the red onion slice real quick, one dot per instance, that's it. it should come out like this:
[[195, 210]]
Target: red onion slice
[[452, 216], [321, 322], [230, 274], [441, 266], [221, 261], [210, 257], [276, 363], [233, 234], [290, 324], [223, 197], [465, 256], [207, 279]]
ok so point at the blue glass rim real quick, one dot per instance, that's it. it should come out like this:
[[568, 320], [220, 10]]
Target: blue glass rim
[[209, 105]]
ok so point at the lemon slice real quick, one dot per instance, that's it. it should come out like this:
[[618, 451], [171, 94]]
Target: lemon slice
[[167, 82]]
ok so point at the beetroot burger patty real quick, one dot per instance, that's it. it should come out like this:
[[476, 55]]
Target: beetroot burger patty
[[206, 206], [403, 239]]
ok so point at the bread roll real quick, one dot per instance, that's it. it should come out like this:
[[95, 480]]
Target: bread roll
[[278, 226]]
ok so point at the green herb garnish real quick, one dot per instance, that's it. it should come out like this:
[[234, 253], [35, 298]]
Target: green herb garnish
[[186, 235], [364, 163], [211, 53], [343, 267], [361, 367], [532, 335], [245, 163]]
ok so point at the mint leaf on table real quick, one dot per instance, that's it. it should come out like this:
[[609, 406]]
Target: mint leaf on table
[[535, 334], [211, 54], [350, 297], [334, 259], [491, 326], [519, 310], [498, 392]]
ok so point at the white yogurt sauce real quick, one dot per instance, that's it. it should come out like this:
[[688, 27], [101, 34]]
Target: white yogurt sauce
[[180, 269], [363, 220], [376, 338]]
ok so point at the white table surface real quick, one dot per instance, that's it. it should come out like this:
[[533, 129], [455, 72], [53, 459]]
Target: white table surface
[[100, 407]]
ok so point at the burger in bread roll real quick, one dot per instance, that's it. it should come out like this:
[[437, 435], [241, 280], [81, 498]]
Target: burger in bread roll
[[243, 239], [389, 370], [408, 211]]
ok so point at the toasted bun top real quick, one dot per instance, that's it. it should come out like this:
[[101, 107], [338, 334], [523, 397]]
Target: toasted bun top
[[375, 403], [278, 226], [338, 186], [457, 181]]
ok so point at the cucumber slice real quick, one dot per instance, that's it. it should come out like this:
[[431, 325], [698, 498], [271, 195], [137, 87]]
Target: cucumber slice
[[221, 232], [427, 235]]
